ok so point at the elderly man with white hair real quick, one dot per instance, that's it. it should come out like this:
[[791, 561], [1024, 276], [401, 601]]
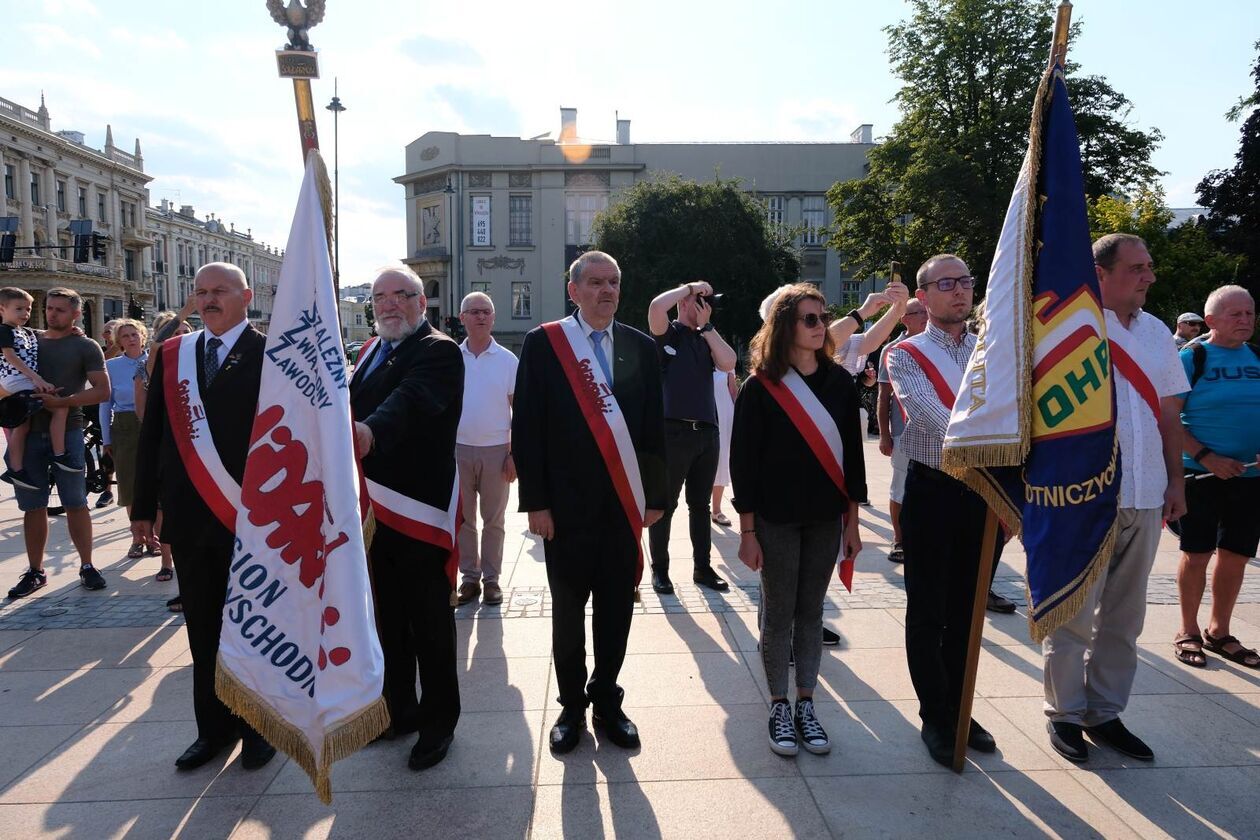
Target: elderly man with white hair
[[483, 449], [406, 397], [1220, 416]]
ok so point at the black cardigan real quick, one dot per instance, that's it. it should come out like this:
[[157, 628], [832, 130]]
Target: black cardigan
[[774, 472]]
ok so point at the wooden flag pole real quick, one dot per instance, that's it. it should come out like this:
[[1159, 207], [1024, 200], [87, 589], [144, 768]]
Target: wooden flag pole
[[988, 546]]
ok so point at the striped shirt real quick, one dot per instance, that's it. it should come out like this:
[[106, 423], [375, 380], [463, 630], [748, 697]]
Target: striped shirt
[[926, 417]]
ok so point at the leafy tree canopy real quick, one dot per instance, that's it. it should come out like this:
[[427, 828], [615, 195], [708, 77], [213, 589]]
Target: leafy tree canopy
[[941, 181], [667, 231]]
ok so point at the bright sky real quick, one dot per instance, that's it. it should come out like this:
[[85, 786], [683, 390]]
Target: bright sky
[[197, 83]]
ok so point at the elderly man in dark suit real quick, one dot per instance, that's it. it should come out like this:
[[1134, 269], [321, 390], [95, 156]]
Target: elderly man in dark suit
[[228, 362], [588, 435], [406, 396]]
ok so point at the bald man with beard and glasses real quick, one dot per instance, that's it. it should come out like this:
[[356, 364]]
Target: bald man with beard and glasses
[[406, 396], [219, 367]]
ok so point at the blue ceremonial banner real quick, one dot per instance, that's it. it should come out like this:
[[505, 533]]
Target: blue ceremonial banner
[[1033, 429]]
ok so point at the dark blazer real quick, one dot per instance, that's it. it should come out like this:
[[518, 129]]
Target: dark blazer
[[231, 402], [412, 403], [558, 463]]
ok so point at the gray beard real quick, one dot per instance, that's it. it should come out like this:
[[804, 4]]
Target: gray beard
[[405, 331]]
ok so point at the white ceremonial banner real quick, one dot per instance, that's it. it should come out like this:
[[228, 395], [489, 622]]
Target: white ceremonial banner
[[299, 657]]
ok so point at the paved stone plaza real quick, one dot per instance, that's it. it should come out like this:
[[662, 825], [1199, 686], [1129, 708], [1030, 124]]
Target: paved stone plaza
[[95, 704]]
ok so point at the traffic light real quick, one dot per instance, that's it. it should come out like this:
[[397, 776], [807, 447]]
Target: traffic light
[[98, 246], [8, 242], [82, 246]]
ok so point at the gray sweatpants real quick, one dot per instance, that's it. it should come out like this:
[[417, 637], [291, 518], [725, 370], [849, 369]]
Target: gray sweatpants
[[1090, 662], [798, 562]]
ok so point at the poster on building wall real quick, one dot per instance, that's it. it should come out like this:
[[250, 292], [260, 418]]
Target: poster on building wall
[[480, 220], [431, 225]]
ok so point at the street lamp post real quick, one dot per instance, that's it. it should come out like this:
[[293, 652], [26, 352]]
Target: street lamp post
[[336, 107]]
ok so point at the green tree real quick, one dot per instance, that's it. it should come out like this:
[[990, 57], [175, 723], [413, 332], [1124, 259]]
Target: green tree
[[666, 231], [369, 314], [1233, 195], [1188, 263], [941, 181]]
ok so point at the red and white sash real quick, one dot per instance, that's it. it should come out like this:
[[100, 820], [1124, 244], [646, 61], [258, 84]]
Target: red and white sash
[[945, 374], [186, 413], [1124, 359], [818, 428], [604, 418]]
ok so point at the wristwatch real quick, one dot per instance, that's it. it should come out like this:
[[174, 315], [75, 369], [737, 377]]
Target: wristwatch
[[856, 316], [707, 328], [1202, 453]]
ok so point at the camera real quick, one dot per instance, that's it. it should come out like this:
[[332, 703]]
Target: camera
[[712, 300]]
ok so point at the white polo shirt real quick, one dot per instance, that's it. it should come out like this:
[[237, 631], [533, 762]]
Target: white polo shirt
[[489, 380], [1143, 475]]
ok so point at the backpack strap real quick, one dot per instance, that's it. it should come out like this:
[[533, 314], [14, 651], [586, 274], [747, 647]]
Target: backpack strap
[[1198, 354]]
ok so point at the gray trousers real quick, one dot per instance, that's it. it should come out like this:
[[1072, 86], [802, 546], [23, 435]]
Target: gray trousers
[[798, 562], [1090, 661], [481, 474]]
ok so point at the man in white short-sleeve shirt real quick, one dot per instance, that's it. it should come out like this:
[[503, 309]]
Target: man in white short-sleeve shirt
[[483, 449], [1090, 662]]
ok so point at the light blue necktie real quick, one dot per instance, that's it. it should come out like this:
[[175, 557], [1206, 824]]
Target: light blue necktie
[[597, 342], [381, 354]]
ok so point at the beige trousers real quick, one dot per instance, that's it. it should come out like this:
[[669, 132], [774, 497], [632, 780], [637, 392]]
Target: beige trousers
[[481, 474]]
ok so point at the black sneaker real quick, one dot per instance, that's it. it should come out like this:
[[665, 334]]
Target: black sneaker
[[897, 555], [90, 578], [1114, 734], [830, 637], [1067, 740], [782, 729], [21, 478], [106, 499], [813, 736], [62, 462], [31, 580]]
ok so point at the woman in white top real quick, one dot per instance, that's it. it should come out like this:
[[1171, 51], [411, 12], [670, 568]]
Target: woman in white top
[[725, 389]]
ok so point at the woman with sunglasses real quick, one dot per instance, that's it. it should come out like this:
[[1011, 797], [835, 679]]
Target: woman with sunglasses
[[796, 466]]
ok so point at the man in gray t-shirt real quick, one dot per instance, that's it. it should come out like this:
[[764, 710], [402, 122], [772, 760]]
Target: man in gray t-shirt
[[68, 361]]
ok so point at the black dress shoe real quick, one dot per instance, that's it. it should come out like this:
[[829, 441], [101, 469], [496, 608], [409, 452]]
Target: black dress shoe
[[617, 728], [202, 751], [426, 754], [996, 603], [661, 583], [1067, 740], [1114, 734], [567, 730], [979, 739], [710, 579], [255, 753], [940, 743]]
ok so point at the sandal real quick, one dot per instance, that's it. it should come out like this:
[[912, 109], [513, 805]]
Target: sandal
[[1245, 657], [136, 552], [153, 549], [1188, 648], [719, 518], [164, 575], [175, 604]]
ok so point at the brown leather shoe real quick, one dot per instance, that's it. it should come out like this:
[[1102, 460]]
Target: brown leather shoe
[[468, 591], [494, 595]]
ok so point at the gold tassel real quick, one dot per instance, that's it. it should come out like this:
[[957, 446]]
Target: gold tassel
[[325, 198], [341, 740], [369, 528]]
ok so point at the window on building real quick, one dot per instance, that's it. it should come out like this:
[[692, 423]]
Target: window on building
[[520, 220], [522, 300], [358, 319], [580, 210], [179, 253], [774, 212], [82, 202], [813, 217], [482, 286], [61, 196], [100, 207], [8, 181], [35, 202]]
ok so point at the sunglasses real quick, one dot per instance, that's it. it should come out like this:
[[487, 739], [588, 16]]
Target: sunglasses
[[811, 320]]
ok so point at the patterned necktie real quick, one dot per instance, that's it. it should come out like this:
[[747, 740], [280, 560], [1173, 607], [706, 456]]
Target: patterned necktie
[[597, 342], [212, 359]]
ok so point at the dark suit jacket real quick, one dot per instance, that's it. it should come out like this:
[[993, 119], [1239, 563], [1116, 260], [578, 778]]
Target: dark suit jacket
[[231, 402], [558, 463], [412, 403]]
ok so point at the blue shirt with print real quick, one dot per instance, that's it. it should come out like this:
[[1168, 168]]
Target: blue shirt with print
[[1222, 410]]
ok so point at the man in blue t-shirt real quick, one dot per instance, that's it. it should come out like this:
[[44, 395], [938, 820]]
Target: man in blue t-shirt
[[1221, 418]]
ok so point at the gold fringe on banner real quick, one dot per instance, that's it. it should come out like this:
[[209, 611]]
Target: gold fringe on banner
[[342, 739], [325, 199], [369, 529]]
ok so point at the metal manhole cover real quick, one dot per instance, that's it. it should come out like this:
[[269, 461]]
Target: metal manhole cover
[[48, 612], [525, 600]]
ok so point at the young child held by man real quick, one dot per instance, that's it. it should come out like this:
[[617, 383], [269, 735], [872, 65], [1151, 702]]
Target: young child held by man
[[19, 372]]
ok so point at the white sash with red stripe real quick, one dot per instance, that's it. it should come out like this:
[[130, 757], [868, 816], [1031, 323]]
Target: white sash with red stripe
[[945, 374], [1124, 359], [414, 518], [603, 416], [187, 415], [819, 429]]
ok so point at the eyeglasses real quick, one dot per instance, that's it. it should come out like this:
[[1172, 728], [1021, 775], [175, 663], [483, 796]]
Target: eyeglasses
[[483, 312], [396, 298], [811, 320], [947, 284]]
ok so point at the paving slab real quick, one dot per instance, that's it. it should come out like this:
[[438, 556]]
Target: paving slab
[[106, 647], [135, 819], [1206, 802]]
